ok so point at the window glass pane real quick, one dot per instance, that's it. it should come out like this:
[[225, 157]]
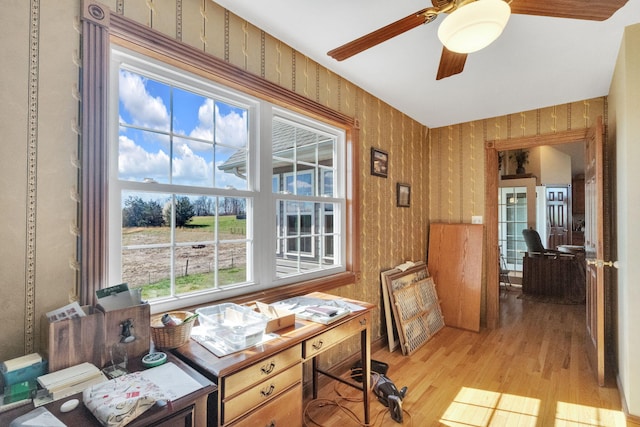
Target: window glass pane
[[232, 218], [192, 163], [299, 155], [306, 237], [193, 268], [231, 125], [300, 184], [149, 268], [327, 183], [143, 156], [192, 115], [143, 218], [143, 102], [231, 168], [195, 220], [232, 264]]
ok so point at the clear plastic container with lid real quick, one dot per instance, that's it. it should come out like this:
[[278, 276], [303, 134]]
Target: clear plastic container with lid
[[239, 327]]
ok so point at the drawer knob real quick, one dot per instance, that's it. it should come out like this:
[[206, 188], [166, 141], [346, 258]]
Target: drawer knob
[[363, 322], [267, 369], [268, 391], [317, 345], [271, 424]]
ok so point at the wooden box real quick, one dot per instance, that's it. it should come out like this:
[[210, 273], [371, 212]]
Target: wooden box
[[278, 318], [89, 339], [140, 328], [69, 342]]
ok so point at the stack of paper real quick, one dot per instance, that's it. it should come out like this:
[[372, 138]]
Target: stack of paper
[[21, 362], [72, 380]]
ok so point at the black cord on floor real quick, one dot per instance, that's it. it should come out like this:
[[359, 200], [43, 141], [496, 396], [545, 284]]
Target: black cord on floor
[[339, 401]]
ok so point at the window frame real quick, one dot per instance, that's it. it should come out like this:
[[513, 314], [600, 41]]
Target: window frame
[[101, 28]]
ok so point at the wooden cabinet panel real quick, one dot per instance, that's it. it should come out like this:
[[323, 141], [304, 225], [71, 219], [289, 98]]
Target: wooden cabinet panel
[[320, 343], [455, 262], [260, 393], [283, 411], [262, 370]]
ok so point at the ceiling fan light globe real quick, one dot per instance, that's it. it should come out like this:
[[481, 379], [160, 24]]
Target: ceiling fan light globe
[[474, 26]]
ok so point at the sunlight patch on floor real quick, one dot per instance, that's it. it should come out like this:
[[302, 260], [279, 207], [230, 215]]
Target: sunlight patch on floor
[[571, 414], [482, 408], [474, 407]]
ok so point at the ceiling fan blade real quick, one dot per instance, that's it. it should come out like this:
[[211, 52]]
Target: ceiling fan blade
[[576, 9], [451, 63], [376, 37]]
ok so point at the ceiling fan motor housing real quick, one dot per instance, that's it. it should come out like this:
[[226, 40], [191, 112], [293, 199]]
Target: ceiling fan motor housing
[[474, 26]]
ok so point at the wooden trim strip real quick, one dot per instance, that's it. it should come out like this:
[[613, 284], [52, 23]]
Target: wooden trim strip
[[94, 153], [130, 34]]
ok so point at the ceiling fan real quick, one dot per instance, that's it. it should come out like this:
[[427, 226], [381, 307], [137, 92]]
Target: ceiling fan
[[468, 21]]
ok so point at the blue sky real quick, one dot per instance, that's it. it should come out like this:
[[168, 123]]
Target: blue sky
[[196, 120]]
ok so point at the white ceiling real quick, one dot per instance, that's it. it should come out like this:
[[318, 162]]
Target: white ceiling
[[536, 62]]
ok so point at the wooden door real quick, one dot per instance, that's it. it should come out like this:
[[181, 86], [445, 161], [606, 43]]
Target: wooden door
[[594, 237], [557, 217]]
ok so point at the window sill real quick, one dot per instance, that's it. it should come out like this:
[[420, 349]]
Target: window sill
[[322, 284]]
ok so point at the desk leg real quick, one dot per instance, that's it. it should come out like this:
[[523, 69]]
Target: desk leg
[[200, 410], [365, 351], [314, 377]]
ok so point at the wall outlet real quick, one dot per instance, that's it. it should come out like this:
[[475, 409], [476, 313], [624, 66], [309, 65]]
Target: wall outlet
[[476, 219]]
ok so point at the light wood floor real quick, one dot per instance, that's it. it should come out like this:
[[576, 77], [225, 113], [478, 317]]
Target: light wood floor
[[532, 371]]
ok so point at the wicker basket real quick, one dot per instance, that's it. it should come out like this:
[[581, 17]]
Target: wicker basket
[[171, 336]]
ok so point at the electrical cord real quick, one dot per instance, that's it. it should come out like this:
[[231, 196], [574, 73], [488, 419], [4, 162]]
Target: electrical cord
[[341, 398]]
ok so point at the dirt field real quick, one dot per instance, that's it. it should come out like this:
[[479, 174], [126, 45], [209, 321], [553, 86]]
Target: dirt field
[[150, 265]]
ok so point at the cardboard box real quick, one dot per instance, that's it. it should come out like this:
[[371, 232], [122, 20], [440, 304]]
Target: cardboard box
[[279, 318]]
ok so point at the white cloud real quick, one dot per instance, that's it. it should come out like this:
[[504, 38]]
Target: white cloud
[[145, 110], [231, 129], [204, 129], [190, 168], [136, 163]]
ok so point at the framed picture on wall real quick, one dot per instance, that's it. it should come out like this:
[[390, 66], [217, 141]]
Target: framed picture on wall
[[404, 195], [379, 162]]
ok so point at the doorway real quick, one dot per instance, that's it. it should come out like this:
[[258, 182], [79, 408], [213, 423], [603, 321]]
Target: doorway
[[492, 148]]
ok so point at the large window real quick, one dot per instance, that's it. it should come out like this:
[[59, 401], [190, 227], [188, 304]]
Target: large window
[[212, 191]]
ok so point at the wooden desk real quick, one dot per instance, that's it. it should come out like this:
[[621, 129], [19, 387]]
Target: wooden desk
[[190, 410], [264, 383]]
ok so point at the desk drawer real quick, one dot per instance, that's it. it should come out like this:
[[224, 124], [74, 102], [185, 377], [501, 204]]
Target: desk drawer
[[283, 411], [260, 371], [339, 333], [260, 393]]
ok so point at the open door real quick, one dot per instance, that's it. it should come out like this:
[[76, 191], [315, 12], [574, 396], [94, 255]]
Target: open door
[[594, 237]]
